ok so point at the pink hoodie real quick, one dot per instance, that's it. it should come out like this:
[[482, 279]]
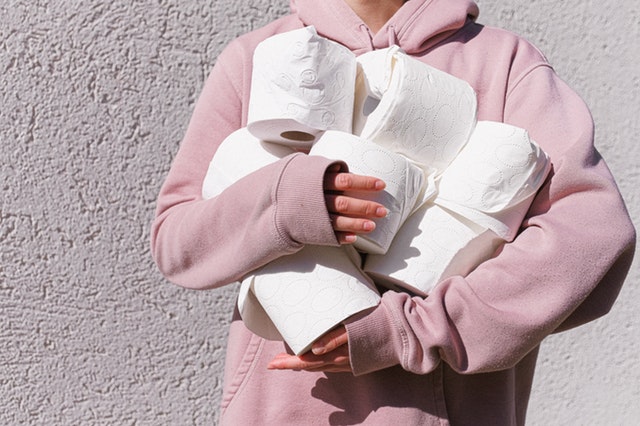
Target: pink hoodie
[[464, 355]]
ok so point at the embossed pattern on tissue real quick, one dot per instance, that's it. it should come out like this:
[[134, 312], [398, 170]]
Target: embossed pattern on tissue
[[319, 289], [299, 82], [429, 117], [493, 170]]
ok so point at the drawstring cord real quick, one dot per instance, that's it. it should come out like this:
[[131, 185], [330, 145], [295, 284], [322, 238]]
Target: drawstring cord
[[367, 32], [392, 36]]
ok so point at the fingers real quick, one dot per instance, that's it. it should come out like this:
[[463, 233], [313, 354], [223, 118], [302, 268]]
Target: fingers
[[330, 341], [352, 225], [330, 353], [346, 237], [340, 181], [334, 361], [351, 215], [354, 207], [347, 228]]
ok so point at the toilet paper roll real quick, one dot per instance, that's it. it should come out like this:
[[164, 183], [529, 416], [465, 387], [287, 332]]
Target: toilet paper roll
[[412, 108], [302, 84], [405, 182], [494, 178], [238, 155], [433, 244], [298, 298]]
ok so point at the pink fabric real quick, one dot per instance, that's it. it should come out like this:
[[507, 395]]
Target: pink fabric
[[464, 355]]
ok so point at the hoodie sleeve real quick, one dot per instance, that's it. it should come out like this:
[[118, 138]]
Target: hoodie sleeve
[[565, 267], [202, 244]]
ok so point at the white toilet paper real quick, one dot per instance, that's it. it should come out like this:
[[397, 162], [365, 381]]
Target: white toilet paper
[[416, 126], [494, 178], [482, 199], [433, 244], [300, 297], [404, 182], [238, 155], [413, 109], [302, 84]]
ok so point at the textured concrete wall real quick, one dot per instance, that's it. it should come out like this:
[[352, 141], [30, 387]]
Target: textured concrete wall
[[94, 99]]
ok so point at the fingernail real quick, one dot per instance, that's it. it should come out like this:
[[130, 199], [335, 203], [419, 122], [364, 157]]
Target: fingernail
[[380, 185], [318, 350], [369, 226], [382, 212], [350, 238]]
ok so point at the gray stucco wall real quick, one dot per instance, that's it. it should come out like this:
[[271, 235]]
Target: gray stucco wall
[[94, 99]]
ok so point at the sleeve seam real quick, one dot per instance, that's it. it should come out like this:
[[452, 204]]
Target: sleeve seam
[[524, 75]]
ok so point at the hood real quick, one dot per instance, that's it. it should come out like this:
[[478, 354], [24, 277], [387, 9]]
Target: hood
[[415, 27]]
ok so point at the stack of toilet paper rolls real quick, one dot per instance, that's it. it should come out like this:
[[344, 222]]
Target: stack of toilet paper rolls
[[481, 200], [456, 188], [299, 297]]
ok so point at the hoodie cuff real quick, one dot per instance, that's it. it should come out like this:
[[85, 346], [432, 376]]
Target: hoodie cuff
[[301, 212], [375, 342]]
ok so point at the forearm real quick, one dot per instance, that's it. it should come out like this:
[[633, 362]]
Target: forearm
[[577, 241], [505, 308], [272, 212]]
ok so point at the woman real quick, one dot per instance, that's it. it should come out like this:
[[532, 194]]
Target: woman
[[465, 354]]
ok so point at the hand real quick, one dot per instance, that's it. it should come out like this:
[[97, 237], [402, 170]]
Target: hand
[[330, 353], [351, 215]]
